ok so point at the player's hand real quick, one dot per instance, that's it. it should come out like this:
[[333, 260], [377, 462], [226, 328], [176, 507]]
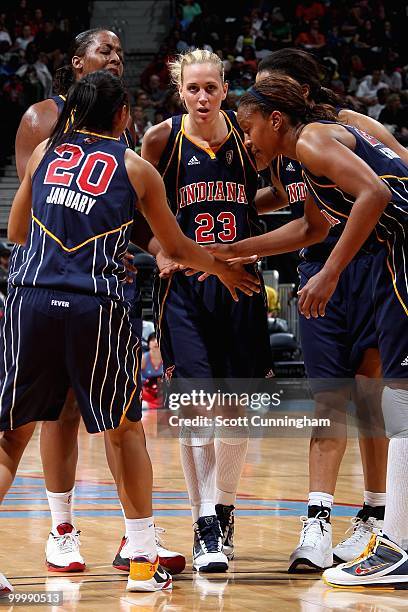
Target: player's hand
[[313, 297], [130, 269], [234, 276], [204, 275], [221, 251], [167, 266]]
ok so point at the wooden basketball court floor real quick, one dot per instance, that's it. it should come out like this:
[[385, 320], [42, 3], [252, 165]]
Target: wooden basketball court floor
[[271, 499]]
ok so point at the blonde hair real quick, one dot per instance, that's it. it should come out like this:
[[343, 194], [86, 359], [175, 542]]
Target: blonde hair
[[197, 56]]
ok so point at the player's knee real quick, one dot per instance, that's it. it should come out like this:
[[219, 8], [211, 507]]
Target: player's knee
[[19, 437], [395, 411], [201, 436]]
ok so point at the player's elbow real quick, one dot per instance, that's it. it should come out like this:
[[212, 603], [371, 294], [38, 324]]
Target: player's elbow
[[315, 233], [16, 234]]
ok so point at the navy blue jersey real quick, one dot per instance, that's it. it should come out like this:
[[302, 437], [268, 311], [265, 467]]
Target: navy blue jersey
[[211, 193], [82, 210], [388, 166], [289, 172]]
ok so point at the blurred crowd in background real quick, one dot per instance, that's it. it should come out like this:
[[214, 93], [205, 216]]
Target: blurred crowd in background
[[360, 44]]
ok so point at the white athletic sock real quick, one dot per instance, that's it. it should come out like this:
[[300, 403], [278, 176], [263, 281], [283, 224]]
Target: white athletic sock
[[141, 538], [396, 508], [199, 472], [60, 507], [374, 499], [317, 498], [230, 460]]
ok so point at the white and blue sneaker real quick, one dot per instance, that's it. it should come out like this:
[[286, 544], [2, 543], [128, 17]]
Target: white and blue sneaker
[[382, 564], [208, 555]]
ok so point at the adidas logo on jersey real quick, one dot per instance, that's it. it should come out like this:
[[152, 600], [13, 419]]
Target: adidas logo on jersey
[[193, 161], [405, 361], [290, 167]]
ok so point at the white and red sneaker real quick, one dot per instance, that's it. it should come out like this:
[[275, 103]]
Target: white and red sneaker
[[170, 560], [62, 550], [5, 586]]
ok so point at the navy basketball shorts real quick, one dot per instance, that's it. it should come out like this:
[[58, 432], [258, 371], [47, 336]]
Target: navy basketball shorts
[[53, 340], [333, 346], [390, 284], [204, 333]]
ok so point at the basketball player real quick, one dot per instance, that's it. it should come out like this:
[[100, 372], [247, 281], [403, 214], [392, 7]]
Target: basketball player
[[325, 352], [74, 211], [361, 183], [211, 182], [91, 50]]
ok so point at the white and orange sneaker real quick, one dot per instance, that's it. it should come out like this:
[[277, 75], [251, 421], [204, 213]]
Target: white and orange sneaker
[[62, 550], [145, 575], [5, 586]]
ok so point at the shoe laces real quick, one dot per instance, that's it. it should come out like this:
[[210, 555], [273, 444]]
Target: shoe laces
[[312, 530], [209, 536], [68, 542], [360, 529]]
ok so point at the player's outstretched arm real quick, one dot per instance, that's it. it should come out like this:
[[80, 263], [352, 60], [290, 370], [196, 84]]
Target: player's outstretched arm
[[153, 204], [351, 174], [297, 234]]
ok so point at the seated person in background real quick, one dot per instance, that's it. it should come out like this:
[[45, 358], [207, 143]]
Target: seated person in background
[[152, 371], [273, 301]]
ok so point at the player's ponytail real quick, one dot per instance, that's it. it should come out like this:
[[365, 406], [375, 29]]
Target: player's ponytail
[[91, 104], [282, 93]]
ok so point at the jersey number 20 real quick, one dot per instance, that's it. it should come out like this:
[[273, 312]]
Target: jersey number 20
[[98, 166], [204, 233]]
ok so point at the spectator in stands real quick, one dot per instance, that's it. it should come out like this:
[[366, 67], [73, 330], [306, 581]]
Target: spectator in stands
[[157, 66], [5, 40], [4, 256], [25, 39], [365, 37], [313, 39], [154, 91], [392, 78], [37, 23], [246, 37], [141, 123], [375, 110], [308, 10], [250, 61], [152, 372], [367, 90], [279, 30], [395, 117], [190, 10], [48, 42], [143, 100], [172, 104], [33, 59], [32, 87]]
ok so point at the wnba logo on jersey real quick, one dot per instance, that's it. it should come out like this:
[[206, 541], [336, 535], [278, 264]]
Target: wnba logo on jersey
[[229, 156], [332, 220]]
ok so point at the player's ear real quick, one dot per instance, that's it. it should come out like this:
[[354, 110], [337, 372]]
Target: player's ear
[[225, 88], [77, 62], [275, 119], [306, 91]]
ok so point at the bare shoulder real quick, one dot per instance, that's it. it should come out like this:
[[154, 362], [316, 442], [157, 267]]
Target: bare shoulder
[[315, 136], [41, 115]]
